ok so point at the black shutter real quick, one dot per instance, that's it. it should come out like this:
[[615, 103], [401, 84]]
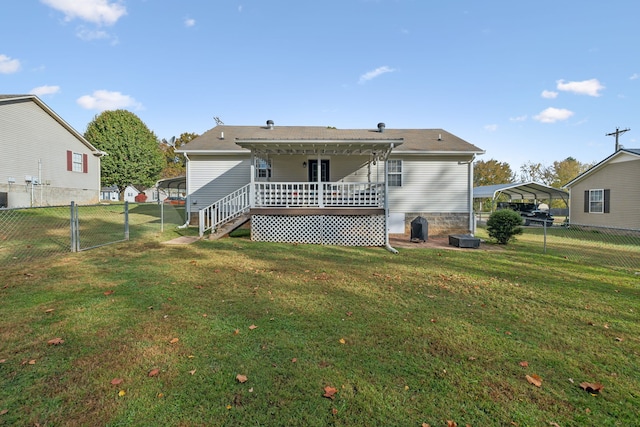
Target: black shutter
[[586, 200], [607, 201]]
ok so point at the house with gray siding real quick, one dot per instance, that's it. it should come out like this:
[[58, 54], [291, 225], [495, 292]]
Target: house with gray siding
[[323, 185], [44, 161], [608, 194]]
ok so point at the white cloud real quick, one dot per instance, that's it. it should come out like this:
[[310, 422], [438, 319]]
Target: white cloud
[[45, 90], [8, 65], [101, 12], [549, 94], [491, 128], [518, 119], [88, 35], [102, 100], [189, 22], [634, 76], [370, 75], [590, 87], [552, 115]]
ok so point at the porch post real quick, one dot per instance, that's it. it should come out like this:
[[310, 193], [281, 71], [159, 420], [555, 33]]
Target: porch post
[[319, 180], [252, 186]]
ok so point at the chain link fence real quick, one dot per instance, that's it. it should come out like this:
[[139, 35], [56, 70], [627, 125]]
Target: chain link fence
[[607, 247], [31, 233]]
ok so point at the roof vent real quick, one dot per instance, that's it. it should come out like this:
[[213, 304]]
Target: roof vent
[[381, 127], [439, 137], [270, 124]]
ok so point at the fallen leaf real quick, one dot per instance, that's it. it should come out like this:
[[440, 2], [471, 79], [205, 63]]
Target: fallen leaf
[[251, 390], [49, 310], [116, 381], [236, 332], [349, 313], [55, 341], [160, 395], [552, 424], [154, 372], [174, 340], [524, 363], [591, 387], [534, 379], [241, 378], [606, 326], [452, 423], [192, 372], [32, 362], [122, 393], [425, 424], [229, 406], [198, 287], [342, 341], [294, 360], [3, 360], [252, 327], [4, 411], [107, 293], [619, 339], [330, 392], [334, 411]]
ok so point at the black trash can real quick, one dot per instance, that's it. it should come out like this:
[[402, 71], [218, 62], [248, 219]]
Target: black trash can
[[419, 230]]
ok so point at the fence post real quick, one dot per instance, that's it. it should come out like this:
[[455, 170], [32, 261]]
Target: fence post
[[126, 220], [161, 216], [72, 227], [544, 248]]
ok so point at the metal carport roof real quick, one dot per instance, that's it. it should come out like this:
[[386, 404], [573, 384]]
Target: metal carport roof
[[179, 182], [521, 191]]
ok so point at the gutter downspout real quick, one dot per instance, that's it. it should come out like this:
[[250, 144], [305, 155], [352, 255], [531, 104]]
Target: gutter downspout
[[469, 163], [387, 246], [188, 201]]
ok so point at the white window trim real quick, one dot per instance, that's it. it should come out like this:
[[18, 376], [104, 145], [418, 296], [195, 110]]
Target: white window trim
[[401, 173], [76, 162], [591, 201]]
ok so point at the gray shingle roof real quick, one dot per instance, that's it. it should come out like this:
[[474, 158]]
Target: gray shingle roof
[[224, 137]]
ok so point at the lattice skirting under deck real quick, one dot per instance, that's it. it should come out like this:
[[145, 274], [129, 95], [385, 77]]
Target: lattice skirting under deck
[[339, 230]]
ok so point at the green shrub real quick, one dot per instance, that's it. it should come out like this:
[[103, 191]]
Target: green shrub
[[503, 225]]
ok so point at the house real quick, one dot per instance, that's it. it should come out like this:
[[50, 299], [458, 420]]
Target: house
[[110, 194], [325, 185], [44, 160], [130, 192], [608, 194]]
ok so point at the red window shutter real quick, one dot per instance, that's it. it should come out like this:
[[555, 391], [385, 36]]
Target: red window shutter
[[69, 160], [85, 163], [607, 201]]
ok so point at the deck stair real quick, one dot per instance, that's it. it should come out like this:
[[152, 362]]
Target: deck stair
[[227, 227]]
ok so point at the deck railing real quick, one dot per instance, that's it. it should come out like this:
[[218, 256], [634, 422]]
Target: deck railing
[[291, 195], [305, 194]]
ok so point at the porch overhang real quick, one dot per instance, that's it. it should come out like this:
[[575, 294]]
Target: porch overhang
[[376, 148]]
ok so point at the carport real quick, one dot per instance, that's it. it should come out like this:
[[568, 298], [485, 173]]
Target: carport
[[172, 186], [520, 191]]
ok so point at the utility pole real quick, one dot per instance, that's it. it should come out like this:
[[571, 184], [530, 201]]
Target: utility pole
[[617, 133]]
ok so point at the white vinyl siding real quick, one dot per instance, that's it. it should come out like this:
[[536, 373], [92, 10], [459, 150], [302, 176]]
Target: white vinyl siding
[[210, 178], [433, 186]]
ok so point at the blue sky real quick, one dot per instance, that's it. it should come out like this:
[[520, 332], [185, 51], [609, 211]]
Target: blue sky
[[525, 81]]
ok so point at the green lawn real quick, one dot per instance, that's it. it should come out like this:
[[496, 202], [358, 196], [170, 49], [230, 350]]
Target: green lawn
[[424, 336]]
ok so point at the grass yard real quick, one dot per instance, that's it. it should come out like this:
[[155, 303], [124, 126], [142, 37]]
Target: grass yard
[[240, 333]]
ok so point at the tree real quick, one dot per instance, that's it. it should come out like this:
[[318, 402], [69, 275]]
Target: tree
[[536, 172], [175, 164], [567, 169], [133, 156], [492, 172]]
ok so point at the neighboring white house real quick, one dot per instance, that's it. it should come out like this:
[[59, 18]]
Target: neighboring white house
[[326, 185], [110, 194], [44, 160], [608, 194], [130, 193]]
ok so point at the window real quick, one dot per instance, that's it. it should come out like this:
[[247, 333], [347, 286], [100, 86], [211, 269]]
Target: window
[[394, 169], [263, 168], [597, 201], [77, 162]]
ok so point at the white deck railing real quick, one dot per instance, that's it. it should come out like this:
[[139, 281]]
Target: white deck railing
[[224, 210], [291, 195], [305, 194]]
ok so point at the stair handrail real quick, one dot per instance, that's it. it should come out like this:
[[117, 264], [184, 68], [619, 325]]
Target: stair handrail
[[224, 210]]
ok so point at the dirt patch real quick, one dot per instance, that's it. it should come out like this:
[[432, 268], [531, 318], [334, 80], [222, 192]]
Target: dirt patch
[[436, 242]]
